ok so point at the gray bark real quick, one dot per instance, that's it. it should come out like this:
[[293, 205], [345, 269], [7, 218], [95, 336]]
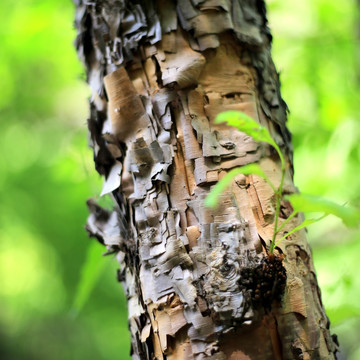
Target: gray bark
[[160, 71]]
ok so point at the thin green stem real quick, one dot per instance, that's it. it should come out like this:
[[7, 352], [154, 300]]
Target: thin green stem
[[304, 224], [278, 195], [286, 222], [270, 183], [277, 211], [284, 237], [283, 165]]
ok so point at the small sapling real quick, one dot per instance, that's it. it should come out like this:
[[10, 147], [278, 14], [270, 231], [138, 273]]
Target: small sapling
[[299, 202]]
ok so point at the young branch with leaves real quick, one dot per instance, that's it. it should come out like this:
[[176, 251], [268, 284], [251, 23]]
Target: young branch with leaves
[[299, 202]]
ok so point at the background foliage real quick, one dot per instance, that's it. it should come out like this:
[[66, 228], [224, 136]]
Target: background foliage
[[46, 173]]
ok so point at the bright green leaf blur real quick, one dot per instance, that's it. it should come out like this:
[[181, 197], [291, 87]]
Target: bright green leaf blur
[[91, 270], [46, 175], [310, 203]]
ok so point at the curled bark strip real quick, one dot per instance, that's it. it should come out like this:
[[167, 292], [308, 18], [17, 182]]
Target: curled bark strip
[[126, 111]]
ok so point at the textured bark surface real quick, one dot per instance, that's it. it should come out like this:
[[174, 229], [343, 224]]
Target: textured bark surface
[[160, 72]]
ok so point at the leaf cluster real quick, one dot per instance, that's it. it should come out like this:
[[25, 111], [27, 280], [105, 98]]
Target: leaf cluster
[[299, 202]]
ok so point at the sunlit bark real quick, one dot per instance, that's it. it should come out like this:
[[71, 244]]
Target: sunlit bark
[[160, 71]]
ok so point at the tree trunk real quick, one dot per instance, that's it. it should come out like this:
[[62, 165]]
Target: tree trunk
[[198, 281]]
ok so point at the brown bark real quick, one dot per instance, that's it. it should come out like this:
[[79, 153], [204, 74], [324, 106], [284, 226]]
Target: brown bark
[[160, 72]]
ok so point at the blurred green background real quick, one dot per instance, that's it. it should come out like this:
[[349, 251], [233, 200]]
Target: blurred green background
[[46, 174]]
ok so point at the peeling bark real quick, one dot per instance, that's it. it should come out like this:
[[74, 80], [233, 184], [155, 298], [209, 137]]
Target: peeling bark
[[160, 72]]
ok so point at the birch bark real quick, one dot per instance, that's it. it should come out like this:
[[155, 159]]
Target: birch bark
[[160, 71]]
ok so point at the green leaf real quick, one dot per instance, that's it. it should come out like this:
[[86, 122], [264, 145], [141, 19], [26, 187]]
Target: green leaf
[[90, 272], [212, 199], [310, 203], [249, 126], [245, 124], [342, 313], [304, 224]]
